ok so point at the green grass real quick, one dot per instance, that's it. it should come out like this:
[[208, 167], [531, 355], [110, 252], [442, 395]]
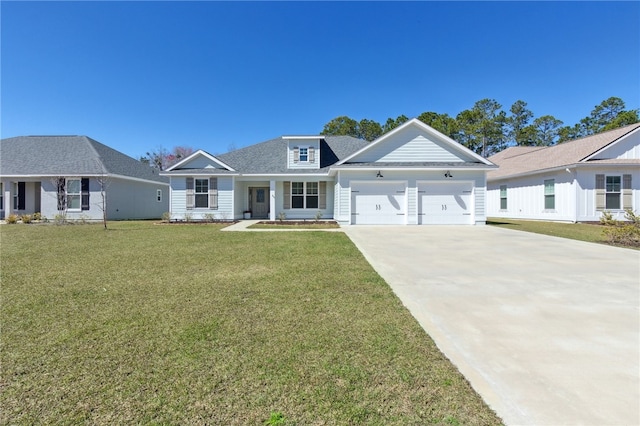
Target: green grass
[[575, 231], [189, 325]]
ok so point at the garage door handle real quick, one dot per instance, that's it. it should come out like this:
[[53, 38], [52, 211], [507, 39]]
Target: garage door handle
[[399, 214], [353, 192], [466, 214], [355, 214], [466, 192]]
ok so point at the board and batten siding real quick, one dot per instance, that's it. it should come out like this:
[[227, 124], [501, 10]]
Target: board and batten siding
[[526, 198], [626, 149], [411, 145], [343, 190], [225, 210], [586, 198]]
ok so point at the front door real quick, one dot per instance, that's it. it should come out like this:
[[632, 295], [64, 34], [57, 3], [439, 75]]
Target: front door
[[259, 202]]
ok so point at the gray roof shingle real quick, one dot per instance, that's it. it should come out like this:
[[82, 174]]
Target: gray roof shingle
[[270, 157], [68, 155]]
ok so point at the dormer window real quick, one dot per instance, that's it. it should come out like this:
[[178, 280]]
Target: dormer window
[[304, 154]]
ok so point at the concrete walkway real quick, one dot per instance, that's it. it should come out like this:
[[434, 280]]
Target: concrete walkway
[[547, 330]]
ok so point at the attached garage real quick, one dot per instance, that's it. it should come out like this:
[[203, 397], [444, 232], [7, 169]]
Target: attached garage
[[445, 203], [378, 203]]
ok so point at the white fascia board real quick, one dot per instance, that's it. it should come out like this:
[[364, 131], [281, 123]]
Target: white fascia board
[[195, 154], [534, 172], [369, 168], [282, 175], [302, 137], [415, 122], [188, 172], [83, 175], [619, 140]]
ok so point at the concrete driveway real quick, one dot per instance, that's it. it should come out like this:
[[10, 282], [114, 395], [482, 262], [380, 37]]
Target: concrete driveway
[[547, 330]]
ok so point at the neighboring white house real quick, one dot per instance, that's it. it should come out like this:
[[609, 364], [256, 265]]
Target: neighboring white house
[[55, 175], [411, 175], [573, 181]]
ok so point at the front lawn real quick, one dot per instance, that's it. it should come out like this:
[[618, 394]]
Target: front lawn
[[189, 325], [575, 231]]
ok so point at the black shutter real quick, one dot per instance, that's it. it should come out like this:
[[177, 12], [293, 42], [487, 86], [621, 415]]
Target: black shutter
[[21, 197], [61, 195], [85, 193]]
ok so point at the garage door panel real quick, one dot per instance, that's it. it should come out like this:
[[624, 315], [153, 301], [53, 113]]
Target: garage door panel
[[440, 203], [378, 203]]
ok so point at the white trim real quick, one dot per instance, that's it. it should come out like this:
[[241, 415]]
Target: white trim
[[405, 206], [609, 145], [302, 137], [442, 183], [195, 154], [84, 175], [430, 130]]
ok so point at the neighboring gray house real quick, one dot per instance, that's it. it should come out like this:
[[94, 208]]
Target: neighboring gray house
[[411, 175], [574, 181], [56, 175]]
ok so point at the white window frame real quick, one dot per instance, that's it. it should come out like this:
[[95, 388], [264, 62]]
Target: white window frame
[[607, 192], [73, 195], [196, 193], [506, 202], [15, 196], [159, 195], [303, 152], [308, 191], [551, 195]]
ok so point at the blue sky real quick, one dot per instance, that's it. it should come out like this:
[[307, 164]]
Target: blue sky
[[138, 76]]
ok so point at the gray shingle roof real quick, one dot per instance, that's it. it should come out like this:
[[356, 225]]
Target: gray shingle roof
[[522, 160], [68, 155], [270, 157]]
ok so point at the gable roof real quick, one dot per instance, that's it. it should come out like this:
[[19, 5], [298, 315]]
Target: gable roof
[[422, 127], [270, 157], [520, 160], [68, 156], [200, 153]]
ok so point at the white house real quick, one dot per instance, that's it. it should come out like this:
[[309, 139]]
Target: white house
[[573, 181], [55, 175], [412, 175]]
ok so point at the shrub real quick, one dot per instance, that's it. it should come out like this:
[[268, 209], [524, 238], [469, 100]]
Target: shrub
[[12, 218], [318, 215], [166, 216], [209, 217], [37, 216], [282, 216], [188, 217], [60, 219], [25, 218], [625, 233]]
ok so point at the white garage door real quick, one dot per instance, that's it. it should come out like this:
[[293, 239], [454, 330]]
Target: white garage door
[[378, 203], [445, 203]]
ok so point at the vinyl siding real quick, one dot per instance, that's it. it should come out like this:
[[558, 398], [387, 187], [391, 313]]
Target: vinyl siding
[[225, 210], [411, 145], [304, 144]]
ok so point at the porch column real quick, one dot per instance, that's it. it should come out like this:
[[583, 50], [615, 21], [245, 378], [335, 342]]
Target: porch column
[[7, 187], [272, 200]]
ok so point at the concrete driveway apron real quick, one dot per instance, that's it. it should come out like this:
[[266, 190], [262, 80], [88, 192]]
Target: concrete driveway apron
[[547, 330]]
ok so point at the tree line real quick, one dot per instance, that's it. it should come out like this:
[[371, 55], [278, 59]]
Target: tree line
[[487, 129]]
